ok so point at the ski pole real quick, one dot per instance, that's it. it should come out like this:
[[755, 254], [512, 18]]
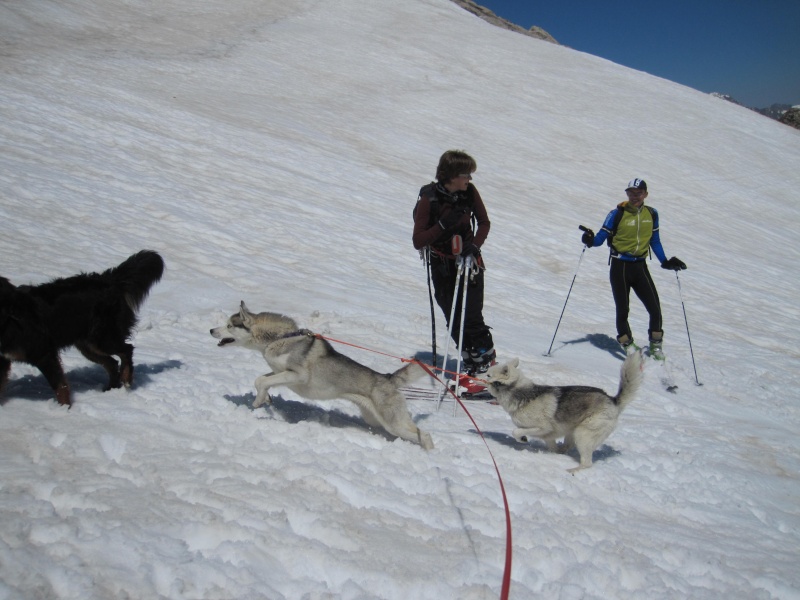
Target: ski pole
[[465, 283], [680, 293], [582, 228], [459, 273], [427, 259], [456, 246]]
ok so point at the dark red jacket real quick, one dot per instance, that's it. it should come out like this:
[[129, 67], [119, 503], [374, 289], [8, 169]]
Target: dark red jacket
[[434, 198]]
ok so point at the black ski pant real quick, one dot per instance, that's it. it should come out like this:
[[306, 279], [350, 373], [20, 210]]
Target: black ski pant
[[634, 275], [476, 332]]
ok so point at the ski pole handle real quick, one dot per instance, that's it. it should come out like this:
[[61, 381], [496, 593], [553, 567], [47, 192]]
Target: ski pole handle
[[456, 245], [583, 228]]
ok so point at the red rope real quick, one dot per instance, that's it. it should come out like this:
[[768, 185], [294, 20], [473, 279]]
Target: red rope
[[506, 587], [400, 358]]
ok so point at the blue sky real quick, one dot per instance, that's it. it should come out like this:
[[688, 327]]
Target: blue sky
[[746, 48]]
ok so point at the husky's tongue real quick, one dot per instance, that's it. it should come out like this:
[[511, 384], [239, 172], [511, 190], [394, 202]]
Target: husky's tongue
[[224, 341]]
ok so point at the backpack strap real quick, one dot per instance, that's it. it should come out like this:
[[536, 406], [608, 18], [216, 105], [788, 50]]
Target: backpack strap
[[613, 231], [432, 191], [429, 191]]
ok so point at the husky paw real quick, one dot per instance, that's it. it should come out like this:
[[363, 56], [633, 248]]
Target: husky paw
[[574, 470], [562, 448], [259, 401], [425, 440]]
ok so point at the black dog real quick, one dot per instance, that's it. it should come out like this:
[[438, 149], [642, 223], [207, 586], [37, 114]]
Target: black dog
[[95, 312]]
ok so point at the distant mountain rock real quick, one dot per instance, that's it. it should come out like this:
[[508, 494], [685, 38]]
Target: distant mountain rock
[[727, 97], [791, 117], [488, 16], [778, 112]]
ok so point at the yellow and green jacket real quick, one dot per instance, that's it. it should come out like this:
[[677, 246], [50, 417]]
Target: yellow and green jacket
[[632, 232]]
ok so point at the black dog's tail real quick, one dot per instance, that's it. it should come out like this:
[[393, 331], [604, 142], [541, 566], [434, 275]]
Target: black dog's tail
[[136, 276]]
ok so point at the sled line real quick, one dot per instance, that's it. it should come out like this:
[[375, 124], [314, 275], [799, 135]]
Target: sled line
[[429, 369]]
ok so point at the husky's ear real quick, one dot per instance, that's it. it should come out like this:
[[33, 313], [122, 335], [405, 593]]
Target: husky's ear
[[504, 370], [245, 315]]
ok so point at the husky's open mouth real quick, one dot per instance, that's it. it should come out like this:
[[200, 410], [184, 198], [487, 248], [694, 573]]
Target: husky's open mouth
[[225, 341]]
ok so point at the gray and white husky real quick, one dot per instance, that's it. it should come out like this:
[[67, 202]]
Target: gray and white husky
[[584, 416], [310, 367]]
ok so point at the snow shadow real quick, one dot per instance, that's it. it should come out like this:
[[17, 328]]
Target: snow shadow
[[537, 446], [600, 341], [84, 379], [293, 411], [427, 358]]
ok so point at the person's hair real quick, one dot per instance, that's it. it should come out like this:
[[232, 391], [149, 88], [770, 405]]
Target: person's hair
[[454, 163]]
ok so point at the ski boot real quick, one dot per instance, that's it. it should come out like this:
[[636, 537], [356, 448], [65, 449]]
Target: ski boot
[[468, 386], [627, 343], [655, 351], [476, 362]]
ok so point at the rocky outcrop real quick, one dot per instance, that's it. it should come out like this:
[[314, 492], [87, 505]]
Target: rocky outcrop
[[488, 16], [784, 113], [775, 111], [727, 98], [792, 117]]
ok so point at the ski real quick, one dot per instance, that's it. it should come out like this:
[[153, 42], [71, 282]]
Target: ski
[[665, 376], [415, 393], [476, 393], [479, 396], [412, 393], [669, 385]]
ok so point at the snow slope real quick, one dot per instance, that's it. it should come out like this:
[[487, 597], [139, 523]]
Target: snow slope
[[271, 152]]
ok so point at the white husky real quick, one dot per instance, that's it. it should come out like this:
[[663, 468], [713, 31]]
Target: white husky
[[312, 368], [583, 416]]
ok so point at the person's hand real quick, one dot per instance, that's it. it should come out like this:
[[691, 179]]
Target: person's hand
[[588, 238], [452, 218], [471, 250], [673, 264]]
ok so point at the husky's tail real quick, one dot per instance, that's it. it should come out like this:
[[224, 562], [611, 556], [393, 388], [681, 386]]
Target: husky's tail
[[630, 378], [407, 374], [136, 276]]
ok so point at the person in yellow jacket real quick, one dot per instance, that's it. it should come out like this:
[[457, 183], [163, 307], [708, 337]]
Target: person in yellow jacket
[[632, 230]]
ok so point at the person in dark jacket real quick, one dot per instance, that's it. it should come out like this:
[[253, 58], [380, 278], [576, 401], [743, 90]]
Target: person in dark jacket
[[633, 230], [445, 208]]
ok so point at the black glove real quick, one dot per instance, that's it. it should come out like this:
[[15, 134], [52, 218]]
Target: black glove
[[452, 218], [471, 250], [673, 264], [588, 238]]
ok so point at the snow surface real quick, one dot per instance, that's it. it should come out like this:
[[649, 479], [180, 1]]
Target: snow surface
[[271, 151]]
